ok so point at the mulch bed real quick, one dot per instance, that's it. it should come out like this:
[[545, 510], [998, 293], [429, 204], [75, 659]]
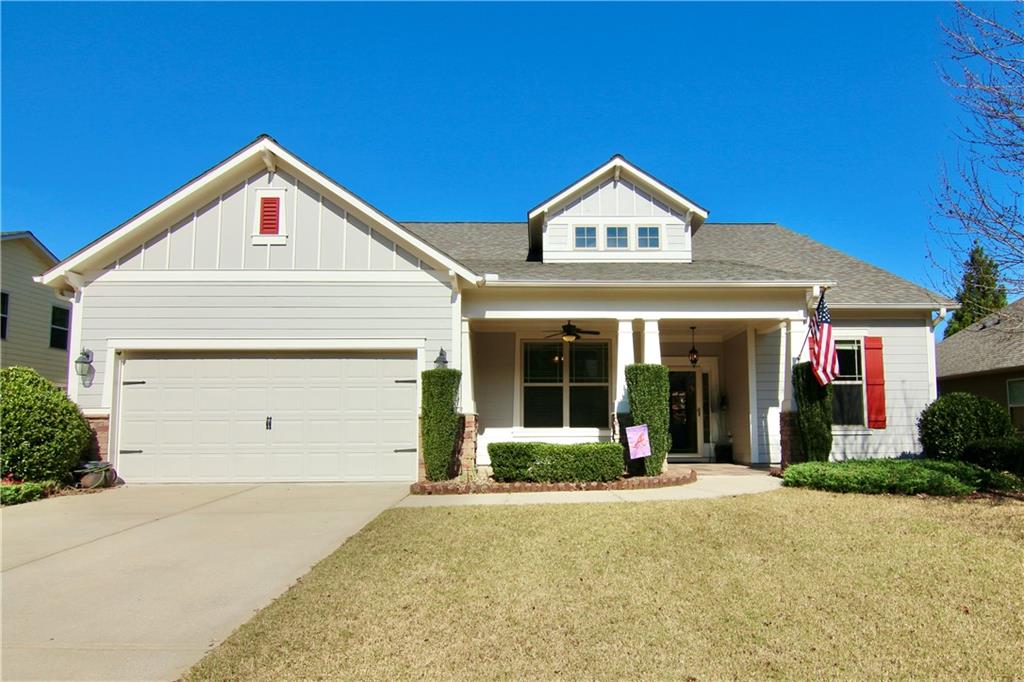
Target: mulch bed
[[460, 487]]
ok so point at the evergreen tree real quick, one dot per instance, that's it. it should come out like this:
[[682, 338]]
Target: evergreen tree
[[980, 292]]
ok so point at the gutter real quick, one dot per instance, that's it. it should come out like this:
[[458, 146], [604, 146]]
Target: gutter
[[492, 280]]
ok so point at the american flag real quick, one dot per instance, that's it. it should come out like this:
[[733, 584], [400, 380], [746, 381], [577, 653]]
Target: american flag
[[824, 361]]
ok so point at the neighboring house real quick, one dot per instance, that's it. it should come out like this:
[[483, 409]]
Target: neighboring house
[[34, 323], [987, 359], [264, 323]]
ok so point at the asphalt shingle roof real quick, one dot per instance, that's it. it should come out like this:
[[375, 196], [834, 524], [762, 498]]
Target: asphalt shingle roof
[[723, 252], [991, 344]]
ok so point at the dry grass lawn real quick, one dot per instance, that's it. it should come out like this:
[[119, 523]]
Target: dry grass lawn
[[790, 584]]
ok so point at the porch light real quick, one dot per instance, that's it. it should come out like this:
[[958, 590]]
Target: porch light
[[569, 338], [694, 355], [83, 362], [441, 361]]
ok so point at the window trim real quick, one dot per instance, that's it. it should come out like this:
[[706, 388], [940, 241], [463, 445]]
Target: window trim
[[67, 330], [847, 428], [661, 241], [612, 226], [597, 239], [566, 383], [5, 314], [1010, 404], [281, 238]]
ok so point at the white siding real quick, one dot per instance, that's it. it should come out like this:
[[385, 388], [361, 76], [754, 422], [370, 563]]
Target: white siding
[[769, 356]]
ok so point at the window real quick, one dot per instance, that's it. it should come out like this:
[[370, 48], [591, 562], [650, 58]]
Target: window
[[848, 396], [616, 237], [648, 237], [554, 397], [4, 302], [1015, 401], [586, 237], [59, 323]]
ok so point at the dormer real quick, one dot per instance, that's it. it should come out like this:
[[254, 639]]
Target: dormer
[[616, 213]]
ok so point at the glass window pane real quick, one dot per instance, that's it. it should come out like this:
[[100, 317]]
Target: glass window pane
[[542, 363], [59, 317], [849, 360], [58, 338], [705, 389], [542, 406], [3, 304], [648, 237], [586, 237], [617, 238], [1016, 391], [588, 407], [848, 404], [588, 362]]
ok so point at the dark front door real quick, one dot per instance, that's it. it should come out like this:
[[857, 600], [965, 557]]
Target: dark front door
[[682, 412]]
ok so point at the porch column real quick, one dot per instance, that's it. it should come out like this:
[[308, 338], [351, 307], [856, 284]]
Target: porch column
[[466, 396], [623, 357], [652, 343]]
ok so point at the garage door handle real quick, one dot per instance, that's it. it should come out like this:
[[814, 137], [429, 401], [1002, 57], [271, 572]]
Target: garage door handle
[[270, 423], [129, 452], [405, 449], [132, 383], [405, 381]]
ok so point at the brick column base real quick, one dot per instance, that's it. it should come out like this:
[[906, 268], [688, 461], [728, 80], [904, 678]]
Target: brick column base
[[792, 452], [467, 444], [100, 437]]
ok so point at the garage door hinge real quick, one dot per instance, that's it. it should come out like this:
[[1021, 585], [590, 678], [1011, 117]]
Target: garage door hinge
[[132, 383], [405, 381]]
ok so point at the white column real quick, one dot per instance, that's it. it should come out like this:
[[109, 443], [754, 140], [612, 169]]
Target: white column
[[755, 445], [466, 396], [791, 336], [652, 343], [623, 357]]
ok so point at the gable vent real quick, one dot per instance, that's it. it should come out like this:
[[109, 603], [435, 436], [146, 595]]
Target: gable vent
[[270, 215]]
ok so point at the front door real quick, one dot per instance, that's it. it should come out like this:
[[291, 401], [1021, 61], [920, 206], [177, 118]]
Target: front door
[[683, 413]]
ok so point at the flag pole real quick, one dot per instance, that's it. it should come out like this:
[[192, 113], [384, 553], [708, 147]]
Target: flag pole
[[808, 334]]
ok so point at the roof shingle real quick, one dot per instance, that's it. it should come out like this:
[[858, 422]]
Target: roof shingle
[[991, 344]]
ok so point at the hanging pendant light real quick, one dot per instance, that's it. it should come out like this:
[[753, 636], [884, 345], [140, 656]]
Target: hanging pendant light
[[694, 355]]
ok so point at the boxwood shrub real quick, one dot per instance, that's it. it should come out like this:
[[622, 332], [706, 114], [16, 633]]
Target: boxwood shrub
[[647, 390], [998, 454], [900, 477], [814, 413], [556, 463], [441, 423], [18, 493], [949, 424], [43, 435]]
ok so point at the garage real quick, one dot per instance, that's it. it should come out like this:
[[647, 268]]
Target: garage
[[232, 417]]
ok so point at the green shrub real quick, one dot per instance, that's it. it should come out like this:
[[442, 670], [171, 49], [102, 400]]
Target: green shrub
[[899, 477], [998, 454], [554, 462], [947, 425], [18, 493], [43, 435], [441, 423], [814, 414], [647, 390]]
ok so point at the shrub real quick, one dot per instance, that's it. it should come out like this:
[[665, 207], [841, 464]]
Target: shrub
[[18, 493], [814, 413], [900, 477], [998, 454], [947, 425], [647, 390], [555, 463], [43, 435], [440, 422]]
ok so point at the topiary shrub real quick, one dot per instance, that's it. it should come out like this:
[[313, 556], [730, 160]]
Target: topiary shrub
[[949, 424], [647, 390], [814, 414], [43, 435], [556, 462], [441, 423], [997, 454]]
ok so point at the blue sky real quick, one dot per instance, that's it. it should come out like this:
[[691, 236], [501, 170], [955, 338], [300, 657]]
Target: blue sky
[[831, 119]]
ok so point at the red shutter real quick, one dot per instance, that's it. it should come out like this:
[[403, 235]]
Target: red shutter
[[270, 215], [874, 378]]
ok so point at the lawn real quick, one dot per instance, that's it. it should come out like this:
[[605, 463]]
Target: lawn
[[789, 584]]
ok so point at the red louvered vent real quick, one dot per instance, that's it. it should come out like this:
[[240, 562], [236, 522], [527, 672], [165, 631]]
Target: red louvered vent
[[270, 215]]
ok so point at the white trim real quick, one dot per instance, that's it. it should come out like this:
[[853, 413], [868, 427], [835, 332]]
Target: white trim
[[597, 236], [410, 344], [754, 433], [1009, 381], [666, 284], [74, 381], [661, 237], [107, 398], [95, 412], [633, 314], [933, 378], [619, 226], [890, 306], [281, 238], [344, 276]]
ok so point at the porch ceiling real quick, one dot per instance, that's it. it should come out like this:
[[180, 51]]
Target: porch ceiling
[[707, 330]]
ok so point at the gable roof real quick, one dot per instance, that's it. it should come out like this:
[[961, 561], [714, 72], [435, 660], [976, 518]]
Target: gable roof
[[263, 151], [726, 253], [991, 344], [37, 245]]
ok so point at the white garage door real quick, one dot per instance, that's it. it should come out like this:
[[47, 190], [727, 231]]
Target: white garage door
[[221, 418]]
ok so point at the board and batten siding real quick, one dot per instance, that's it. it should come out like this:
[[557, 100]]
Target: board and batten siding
[[218, 236], [615, 203]]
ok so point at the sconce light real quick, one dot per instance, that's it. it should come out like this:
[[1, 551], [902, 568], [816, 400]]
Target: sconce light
[[441, 361], [694, 355], [83, 362]]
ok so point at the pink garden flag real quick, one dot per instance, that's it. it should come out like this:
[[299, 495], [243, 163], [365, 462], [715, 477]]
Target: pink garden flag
[[639, 443]]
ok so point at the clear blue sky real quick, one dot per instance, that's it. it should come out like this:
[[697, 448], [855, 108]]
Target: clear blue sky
[[831, 119]]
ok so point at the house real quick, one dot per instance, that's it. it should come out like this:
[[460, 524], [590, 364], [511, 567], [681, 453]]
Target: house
[[263, 322], [987, 359], [34, 323]]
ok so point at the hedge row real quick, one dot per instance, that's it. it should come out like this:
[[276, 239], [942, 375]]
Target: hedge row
[[556, 463], [647, 390], [900, 477], [441, 423]]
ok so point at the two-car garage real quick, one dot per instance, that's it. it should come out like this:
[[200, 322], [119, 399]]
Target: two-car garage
[[256, 416]]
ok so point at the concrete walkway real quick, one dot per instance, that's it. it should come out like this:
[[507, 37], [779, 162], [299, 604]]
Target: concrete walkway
[[713, 480], [137, 583]]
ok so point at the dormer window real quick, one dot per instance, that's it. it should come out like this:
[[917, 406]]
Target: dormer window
[[648, 237], [616, 237], [586, 237], [270, 216]]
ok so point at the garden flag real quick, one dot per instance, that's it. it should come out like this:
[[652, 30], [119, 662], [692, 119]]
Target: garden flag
[[824, 361], [639, 442]]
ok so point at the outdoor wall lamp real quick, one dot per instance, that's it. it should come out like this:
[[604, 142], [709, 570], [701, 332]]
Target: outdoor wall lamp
[[441, 361], [83, 363], [694, 355]]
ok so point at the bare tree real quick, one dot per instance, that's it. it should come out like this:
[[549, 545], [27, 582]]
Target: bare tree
[[982, 200]]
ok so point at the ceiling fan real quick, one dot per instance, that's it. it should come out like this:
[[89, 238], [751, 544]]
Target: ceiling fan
[[571, 332]]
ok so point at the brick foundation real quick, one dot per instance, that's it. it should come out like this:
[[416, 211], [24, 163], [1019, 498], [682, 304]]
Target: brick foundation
[[792, 452], [101, 436], [467, 445]]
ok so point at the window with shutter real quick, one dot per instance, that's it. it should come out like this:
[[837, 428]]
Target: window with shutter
[[270, 215]]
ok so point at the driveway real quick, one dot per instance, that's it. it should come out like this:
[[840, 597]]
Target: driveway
[[137, 583]]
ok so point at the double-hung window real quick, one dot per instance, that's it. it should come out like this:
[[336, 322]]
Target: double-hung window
[[848, 387], [616, 237], [1015, 401], [566, 384], [648, 237], [586, 237], [60, 322], [5, 301]]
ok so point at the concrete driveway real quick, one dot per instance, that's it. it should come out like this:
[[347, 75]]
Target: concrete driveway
[[137, 583]]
